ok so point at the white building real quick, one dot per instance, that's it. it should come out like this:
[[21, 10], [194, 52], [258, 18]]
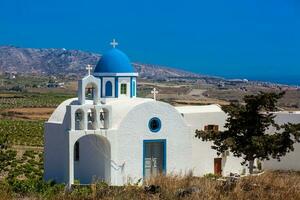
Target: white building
[[109, 134], [290, 161]]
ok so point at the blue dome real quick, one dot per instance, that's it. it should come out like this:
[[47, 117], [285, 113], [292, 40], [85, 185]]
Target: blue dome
[[114, 61]]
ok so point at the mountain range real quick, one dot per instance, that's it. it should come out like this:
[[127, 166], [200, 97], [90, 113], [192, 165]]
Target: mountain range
[[54, 61]]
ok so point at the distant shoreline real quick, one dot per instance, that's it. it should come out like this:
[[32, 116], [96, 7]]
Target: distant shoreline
[[290, 81]]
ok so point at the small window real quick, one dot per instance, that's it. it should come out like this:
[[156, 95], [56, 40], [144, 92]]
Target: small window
[[76, 151], [154, 124], [123, 88], [211, 127]]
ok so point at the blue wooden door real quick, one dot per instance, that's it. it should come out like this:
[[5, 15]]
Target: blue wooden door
[[154, 161]]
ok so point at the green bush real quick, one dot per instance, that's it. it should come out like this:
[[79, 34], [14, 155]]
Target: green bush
[[212, 176], [5, 190], [35, 187], [81, 192]]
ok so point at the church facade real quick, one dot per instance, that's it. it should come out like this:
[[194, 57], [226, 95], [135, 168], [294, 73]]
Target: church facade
[[109, 134]]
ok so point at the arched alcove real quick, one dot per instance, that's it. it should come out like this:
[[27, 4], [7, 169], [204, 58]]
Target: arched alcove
[[108, 89], [93, 159]]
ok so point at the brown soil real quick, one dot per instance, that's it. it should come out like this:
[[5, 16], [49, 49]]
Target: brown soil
[[28, 113]]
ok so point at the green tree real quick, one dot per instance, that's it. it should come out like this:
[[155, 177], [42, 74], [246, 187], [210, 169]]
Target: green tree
[[251, 131]]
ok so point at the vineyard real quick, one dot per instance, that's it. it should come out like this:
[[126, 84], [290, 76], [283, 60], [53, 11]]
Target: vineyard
[[21, 155], [30, 100], [20, 132], [27, 165]]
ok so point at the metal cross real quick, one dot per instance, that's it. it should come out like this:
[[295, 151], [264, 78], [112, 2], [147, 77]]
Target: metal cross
[[114, 43], [89, 68], [154, 92]]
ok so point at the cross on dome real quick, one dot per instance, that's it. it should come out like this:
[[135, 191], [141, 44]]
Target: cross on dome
[[114, 43], [154, 92], [89, 68]]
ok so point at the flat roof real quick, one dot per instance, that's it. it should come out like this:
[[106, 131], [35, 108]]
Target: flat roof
[[199, 109]]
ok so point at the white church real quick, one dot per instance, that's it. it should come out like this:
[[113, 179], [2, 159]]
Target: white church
[[109, 134]]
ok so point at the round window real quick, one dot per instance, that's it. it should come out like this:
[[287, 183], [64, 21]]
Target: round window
[[154, 124]]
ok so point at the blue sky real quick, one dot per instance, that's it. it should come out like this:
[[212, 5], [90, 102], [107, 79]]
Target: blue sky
[[256, 39]]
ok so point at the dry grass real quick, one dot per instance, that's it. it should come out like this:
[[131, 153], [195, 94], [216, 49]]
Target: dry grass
[[270, 185]]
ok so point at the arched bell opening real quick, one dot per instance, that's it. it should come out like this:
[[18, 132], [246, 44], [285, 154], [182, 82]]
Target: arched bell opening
[[91, 92], [104, 118], [79, 120], [92, 121]]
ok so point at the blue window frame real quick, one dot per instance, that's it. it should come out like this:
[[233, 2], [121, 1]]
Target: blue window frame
[[133, 88], [154, 124], [108, 89], [163, 142]]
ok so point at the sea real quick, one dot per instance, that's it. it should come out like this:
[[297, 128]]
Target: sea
[[292, 80]]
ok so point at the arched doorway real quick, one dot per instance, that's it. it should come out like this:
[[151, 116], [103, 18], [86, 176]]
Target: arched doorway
[[92, 159]]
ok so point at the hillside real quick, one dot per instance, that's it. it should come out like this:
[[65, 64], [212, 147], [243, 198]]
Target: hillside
[[53, 61]]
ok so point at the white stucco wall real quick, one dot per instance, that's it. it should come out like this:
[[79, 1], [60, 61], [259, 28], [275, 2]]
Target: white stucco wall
[[133, 130], [291, 161], [55, 153], [202, 154]]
